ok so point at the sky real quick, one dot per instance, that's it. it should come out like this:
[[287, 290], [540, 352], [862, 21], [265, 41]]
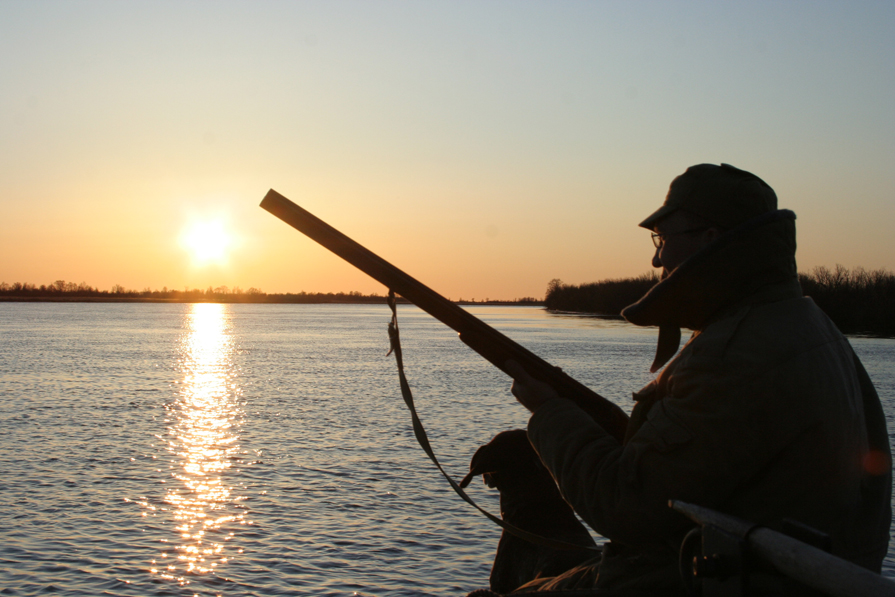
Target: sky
[[483, 147]]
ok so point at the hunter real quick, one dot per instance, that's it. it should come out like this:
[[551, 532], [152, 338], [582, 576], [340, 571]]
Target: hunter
[[765, 413]]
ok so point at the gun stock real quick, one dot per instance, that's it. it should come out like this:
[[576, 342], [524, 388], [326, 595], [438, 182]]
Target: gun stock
[[475, 333]]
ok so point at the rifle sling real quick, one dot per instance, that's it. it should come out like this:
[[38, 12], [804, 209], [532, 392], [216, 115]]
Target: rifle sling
[[423, 439]]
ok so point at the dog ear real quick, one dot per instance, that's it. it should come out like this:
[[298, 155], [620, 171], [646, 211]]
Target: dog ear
[[468, 479], [474, 472], [478, 465]]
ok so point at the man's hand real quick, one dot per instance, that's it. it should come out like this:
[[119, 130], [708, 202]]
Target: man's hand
[[530, 392]]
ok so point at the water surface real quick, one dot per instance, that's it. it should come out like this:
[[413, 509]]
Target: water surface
[[168, 449]]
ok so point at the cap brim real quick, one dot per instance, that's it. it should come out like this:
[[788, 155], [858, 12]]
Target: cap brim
[[656, 216]]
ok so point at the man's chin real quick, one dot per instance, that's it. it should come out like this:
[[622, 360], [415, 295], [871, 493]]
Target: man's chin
[[665, 274]]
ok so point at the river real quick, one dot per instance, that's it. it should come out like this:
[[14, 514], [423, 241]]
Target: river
[[207, 449]]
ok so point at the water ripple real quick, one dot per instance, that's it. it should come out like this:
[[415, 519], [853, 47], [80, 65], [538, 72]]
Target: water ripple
[[273, 437]]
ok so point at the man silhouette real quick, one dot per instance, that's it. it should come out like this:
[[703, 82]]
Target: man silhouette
[[765, 414]]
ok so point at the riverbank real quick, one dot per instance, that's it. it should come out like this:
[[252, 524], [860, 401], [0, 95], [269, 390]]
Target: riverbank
[[61, 291], [860, 302], [288, 300]]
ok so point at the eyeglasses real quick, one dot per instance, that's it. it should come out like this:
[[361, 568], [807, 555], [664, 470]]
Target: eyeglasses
[[659, 238]]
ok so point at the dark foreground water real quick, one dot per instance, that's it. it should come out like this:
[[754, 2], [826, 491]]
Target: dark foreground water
[[264, 449]]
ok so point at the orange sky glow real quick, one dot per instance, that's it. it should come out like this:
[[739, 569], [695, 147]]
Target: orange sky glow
[[485, 148]]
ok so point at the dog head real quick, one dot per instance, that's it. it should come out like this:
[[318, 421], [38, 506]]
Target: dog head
[[508, 455]]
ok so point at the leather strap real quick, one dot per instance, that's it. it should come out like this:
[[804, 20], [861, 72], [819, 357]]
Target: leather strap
[[423, 440]]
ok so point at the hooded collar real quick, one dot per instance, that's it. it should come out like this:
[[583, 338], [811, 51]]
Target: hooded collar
[[739, 263]]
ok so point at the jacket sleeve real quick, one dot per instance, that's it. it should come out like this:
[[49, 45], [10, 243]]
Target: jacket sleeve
[[708, 436]]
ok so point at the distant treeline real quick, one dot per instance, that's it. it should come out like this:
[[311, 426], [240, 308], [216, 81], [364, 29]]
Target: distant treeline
[[857, 300], [60, 290], [606, 298], [70, 291]]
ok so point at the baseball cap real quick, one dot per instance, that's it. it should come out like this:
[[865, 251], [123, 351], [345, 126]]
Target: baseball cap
[[723, 195]]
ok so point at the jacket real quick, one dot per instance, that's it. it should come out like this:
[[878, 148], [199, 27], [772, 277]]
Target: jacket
[[765, 414]]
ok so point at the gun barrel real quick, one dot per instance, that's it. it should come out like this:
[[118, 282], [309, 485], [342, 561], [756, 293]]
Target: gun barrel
[[367, 261], [488, 342]]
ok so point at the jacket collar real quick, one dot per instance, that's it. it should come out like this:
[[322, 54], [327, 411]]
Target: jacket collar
[[741, 263]]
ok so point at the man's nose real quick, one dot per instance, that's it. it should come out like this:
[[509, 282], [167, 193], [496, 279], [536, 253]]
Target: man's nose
[[656, 261]]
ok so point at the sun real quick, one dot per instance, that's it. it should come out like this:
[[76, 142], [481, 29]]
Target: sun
[[207, 242]]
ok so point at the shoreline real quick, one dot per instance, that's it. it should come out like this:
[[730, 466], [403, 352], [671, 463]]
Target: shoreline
[[243, 300], [340, 301]]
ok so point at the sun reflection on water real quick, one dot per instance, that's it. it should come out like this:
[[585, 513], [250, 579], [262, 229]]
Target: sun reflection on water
[[203, 437]]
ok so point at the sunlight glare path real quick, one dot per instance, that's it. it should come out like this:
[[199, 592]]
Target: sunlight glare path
[[203, 437]]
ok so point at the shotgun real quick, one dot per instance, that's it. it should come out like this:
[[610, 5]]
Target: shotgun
[[475, 333], [728, 541]]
